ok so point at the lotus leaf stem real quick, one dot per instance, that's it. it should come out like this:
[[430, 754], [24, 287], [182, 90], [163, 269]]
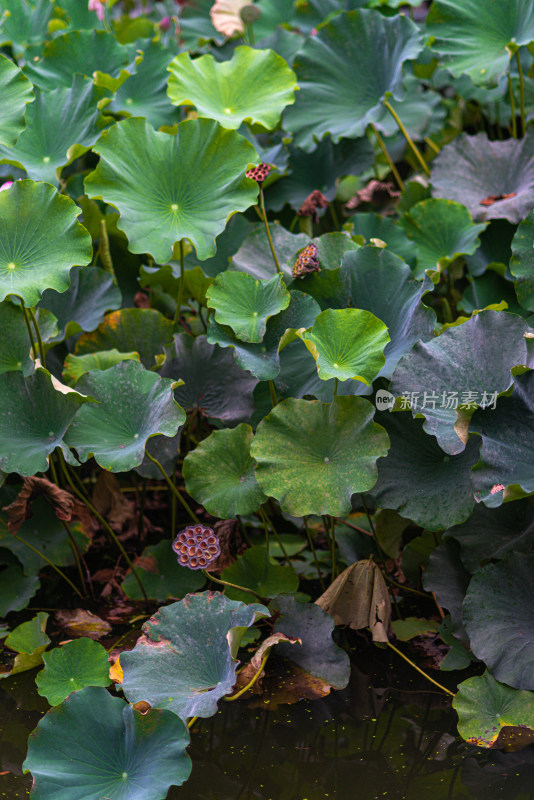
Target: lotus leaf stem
[[333, 546], [272, 389], [173, 488], [393, 168], [267, 521], [334, 216], [39, 338], [411, 143], [251, 683], [512, 106], [443, 689], [180, 299], [51, 564], [104, 250], [521, 93], [312, 546], [30, 334], [233, 586], [266, 223]]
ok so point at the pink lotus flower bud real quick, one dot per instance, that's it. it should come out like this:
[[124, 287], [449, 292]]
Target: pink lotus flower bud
[[165, 23], [97, 5], [6, 185]]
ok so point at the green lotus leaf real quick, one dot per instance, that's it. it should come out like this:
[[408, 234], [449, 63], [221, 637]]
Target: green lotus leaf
[[491, 533], [172, 187], [447, 577], [61, 125], [76, 366], [185, 660], [485, 706], [263, 360], [219, 473], [91, 293], [457, 657], [318, 654], [77, 664], [40, 240], [375, 226], [245, 304], [16, 92], [493, 179], [421, 110], [411, 627], [16, 589], [347, 343], [29, 641], [256, 570], [522, 262], [34, 420], [144, 94], [491, 291], [228, 243], [126, 754], [344, 73], [477, 38], [161, 575], [15, 342], [24, 23], [312, 457], [304, 16], [195, 25], [79, 16], [254, 86], [213, 383], [140, 330], [419, 480], [459, 368], [501, 464], [132, 405], [319, 170], [441, 230], [166, 450], [498, 619], [95, 54]]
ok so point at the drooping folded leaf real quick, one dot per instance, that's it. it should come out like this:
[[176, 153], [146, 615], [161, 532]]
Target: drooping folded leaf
[[132, 405], [16, 92], [219, 473], [77, 664], [312, 457], [94, 745], [254, 86], [172, 187], [345, 71], [185, 659], [40, 240]]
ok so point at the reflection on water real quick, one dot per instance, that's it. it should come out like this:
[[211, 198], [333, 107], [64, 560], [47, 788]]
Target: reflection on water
[[372, 740]]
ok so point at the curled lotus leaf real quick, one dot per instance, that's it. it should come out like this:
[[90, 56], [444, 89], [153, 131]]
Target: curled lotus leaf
[[16, 92]]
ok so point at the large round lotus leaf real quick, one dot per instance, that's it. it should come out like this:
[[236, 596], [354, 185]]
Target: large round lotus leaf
[[245, 304], [446, 576], [15, 93], [319, 170], [441, 230], [161, 575], [477, 37], [16, 589], [263, 359], [24, 22], [91, 293], [522, 262], [219, 473], [345, 71], [40, 240], [491, 533], [77, 664], [493, 179], [213, 382], [185, 660], [15, 342], [314, 456], [145, 93], [507, 452], [132, 404], [347, 344], [485, 706], [94, 746], [140, 330], [419, 480], [318, 654], [461, 367], [33, 421], [60, 126], [254, 86], [172, 187], [499, 621], [256, 570], [83, 52]]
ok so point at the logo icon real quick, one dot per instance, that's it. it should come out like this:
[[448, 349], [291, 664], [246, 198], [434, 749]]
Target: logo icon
[[384, 400]]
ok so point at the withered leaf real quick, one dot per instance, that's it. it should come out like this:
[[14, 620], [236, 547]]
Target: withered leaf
[[250, 669], [20, 509], [78, 622]]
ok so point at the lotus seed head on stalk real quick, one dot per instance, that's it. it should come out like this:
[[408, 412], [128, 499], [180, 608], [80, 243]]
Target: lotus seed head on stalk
[[196, 546], [259, 173], [250, 14]]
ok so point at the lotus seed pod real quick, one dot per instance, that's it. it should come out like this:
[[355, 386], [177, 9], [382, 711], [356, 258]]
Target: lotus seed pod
[[196, 546], [250, 14]]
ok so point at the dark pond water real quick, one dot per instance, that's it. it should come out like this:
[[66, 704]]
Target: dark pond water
[[385, 737]]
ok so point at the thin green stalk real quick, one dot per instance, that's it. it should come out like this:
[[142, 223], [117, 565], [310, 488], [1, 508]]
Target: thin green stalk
[[38, 335], [51, 564], [512, 106], [521, 93], [266, 223], [266, 519], [443, 689], [173, 488], [173, 508], [30, 334], [250, 35], [272, 389], [181, 284], [251, 683], [233, 586], [315, 559], [336, 383], [111, 533], [243, 530], [141, 510], [390, 161], [52, 468], [333, 546], [104, 250], [334, 215], [293, 223], [409, 140], [77, 556]]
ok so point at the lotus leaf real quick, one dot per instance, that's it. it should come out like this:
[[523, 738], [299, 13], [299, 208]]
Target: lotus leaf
[[76, 366], [15, 343], [522, 262], [16, 92], [24, 23], [16, 589], [245, 304], [77, 664], [256, 570], [446, 576]]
